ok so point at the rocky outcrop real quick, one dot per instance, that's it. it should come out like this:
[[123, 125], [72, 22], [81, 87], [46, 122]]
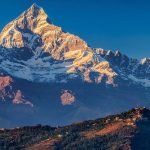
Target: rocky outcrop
[[32, 34], [67, 98], [19, 99], [5, 87], [8, 92]]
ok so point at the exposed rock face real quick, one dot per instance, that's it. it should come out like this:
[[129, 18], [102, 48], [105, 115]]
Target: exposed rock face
[[47, 46], [8, 92], [42, 60], [129, 69], [5, 81], [19, 99], [5, 87], [33, 29], [32, 37], [67, 98], [33, 33]]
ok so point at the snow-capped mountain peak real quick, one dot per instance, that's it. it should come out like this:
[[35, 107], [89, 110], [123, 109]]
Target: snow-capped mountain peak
[[31, 42], [33, 33], [145, 61], [51, 71], [22, 31]]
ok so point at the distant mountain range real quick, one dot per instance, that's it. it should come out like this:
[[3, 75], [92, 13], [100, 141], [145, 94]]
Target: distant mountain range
[[126, 131], [50, 76]]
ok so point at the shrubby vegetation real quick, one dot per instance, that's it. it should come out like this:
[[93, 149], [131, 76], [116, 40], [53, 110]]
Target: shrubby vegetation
[[72, 137], [22, 137]]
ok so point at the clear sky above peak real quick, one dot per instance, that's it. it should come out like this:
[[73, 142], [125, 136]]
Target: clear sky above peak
[[117, 25]]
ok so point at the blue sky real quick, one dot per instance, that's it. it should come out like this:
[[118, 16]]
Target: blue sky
[[110, 24]]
